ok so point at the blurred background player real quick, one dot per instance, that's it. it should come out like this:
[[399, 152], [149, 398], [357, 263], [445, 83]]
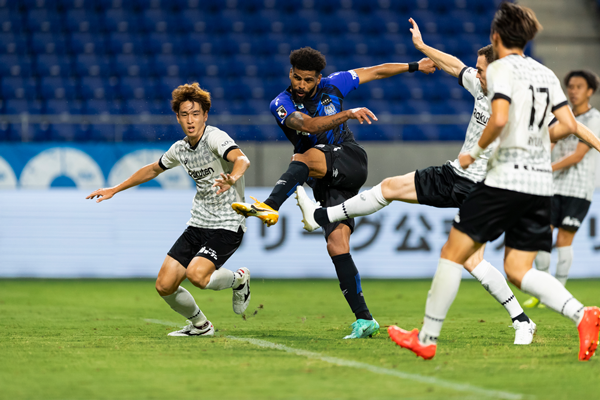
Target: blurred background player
[[441, 186], [515, 197], [214, 231], [573, 174], [310, 113]]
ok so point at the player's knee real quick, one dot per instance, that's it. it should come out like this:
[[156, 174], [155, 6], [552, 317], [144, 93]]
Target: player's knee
[[165, 288], [336, 248], [513, 276], [198, 277]]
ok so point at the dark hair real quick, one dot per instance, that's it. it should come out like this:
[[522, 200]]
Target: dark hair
[[591, 78], [488, 52], [192, 93], [515, 24], [308, 59]]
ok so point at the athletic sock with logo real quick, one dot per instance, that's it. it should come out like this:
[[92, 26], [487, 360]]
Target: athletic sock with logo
[[554, 295], [296, 174], [350, 284], [493, 281], [183, 303], [444, 288], [565, 259], [223, 278], [364, 203], [542, 261]]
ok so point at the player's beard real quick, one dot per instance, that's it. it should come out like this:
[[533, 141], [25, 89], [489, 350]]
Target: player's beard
[[306, 95]]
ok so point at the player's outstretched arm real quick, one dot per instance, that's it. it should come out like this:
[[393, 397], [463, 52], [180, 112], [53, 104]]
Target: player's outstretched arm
[[240, 165], [572, 159], [559, 131], [144, 174], [447, 63], [382, 71], [305, 124]]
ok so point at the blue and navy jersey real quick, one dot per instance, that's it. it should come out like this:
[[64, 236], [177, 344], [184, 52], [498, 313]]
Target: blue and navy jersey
[[327, 100]]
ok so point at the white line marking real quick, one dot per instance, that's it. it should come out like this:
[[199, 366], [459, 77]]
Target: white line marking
[[463, 387]]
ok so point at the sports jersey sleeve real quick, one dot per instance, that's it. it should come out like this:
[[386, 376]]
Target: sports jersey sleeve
[[499, 79], [468, 79], [593, 124], [557, 96], [281, 108], [169, 159], [221, 143], [345, 81]]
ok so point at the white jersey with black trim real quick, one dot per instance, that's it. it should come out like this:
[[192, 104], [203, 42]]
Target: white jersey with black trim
[[521, 161], [204, 163], [481, 114], [578, 180]]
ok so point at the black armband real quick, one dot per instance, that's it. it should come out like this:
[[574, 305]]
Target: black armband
[[413, 67]]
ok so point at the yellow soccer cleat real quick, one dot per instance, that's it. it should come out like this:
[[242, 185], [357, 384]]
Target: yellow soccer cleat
[[260, 210], [533, 302]]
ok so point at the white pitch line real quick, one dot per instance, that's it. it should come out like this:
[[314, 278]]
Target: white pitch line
[[463, 387]]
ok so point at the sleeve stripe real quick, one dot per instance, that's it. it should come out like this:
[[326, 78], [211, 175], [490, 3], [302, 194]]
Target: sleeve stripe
[[501, 96], [160, 164], [560, 105], [228, 150], [460, 76], [554, 120]]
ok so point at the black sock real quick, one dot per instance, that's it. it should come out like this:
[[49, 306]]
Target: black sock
[[296, 174], [321, 216], [521, 317], [350, 284]]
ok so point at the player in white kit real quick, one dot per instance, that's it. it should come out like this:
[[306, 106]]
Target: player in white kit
[[574, 168], [214, 231], [516, 194], [445, 186]]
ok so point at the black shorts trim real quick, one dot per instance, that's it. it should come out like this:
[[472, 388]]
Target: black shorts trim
[[568, 212], [441, 187], [523, 218], [216, 245]]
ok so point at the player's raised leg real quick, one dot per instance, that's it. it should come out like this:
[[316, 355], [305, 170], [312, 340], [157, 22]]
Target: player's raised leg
[[170, 276]]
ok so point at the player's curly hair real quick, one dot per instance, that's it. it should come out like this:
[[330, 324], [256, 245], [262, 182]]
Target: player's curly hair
[[591, 78], [515, 24], [308, 59], [190, 92]]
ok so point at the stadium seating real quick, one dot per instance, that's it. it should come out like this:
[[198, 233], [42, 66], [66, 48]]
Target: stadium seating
[[115, 56]]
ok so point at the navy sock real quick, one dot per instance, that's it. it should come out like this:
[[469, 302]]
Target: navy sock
[[296, 174], [521, 317], [350, 284], [321, 216]]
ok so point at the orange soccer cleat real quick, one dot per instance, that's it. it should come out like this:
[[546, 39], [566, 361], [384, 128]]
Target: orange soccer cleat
[[410, 341], [588, 328]]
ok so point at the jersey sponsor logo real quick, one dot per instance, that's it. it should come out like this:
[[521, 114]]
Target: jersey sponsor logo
[[202, 173], [281, 112], [302, 133], [354, 74], [225, 143], [328, 105], [480, 117]]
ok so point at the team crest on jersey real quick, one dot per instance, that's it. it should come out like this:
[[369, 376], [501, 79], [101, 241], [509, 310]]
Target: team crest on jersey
[[328, 105], [282, 112]]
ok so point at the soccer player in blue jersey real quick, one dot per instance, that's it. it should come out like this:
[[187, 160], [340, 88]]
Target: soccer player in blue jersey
[[310, 113]]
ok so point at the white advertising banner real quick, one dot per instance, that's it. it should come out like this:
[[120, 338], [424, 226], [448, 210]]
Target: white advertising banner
[[58, 234]]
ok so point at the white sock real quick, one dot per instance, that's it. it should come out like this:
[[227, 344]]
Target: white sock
[[493, 281], [183, 303], [565, 259], [364, 203], [223, 279], [554, 295], [444, 288], [542, 261]]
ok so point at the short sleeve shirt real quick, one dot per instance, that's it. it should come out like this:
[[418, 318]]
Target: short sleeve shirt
[[327, 100], [204, 163]]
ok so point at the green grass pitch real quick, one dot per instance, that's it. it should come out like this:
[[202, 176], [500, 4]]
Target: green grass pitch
[[89, 339]]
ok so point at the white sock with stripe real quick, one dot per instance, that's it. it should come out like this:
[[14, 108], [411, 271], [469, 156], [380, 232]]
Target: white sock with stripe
[[223, 278], [444, 288], [364, 203], [495, 283], [183, 302], [565, 259]]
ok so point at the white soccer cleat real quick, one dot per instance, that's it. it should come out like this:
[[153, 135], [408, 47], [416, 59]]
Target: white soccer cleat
[[207, 329], [308, 208], [524, 332], [241, 295]]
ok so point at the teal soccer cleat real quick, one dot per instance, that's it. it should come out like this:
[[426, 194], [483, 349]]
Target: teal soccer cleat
[[362, 328]]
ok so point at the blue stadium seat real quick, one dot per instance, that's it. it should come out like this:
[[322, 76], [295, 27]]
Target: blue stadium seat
[[132, 87], [153, 107], [166, 43], [131, 65], [4, 131], [82, 20], [77, 4], [19, 88], [121, 20], [15, 65], [92, 65], [12, 20], [63, 106], [89, 43], [68, 133], [12, 44], [140, 133], [121, 42], [44, 20], [48, 43], [452, 132], [202, 22], [159, 20], [169, 65], [53, 65], [420, 132], [58, 88], [20, 106], [33, 133], [101, 132], [97, 106], [96, 87]]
